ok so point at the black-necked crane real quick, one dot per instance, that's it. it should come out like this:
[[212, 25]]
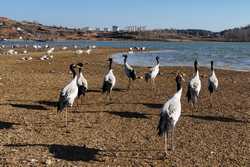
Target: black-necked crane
[[81, 83], [154, 71], [170, 114], [129, 71], [212, 82], [194, 86], [68, 93], [109, 80]]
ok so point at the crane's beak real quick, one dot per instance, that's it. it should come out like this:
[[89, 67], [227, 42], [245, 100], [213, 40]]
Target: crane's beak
[[183, 75]]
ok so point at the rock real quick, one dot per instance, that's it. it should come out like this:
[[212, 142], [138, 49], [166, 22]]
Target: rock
[[33, 160], [48, 162]]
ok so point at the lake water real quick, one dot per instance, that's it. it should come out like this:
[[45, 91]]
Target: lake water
[[235, 56]]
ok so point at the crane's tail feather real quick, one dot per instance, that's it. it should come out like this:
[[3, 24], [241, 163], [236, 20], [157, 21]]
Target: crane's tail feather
[[188, 95], [147, 77], [133, 74], [164, 124], [81, 91], [62, 103], [106, 87], [211, 88], [192, 95]]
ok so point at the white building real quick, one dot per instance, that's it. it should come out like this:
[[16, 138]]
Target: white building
[[115, 28], [106, 29], [88, 29], [136, 28], [98, 29]]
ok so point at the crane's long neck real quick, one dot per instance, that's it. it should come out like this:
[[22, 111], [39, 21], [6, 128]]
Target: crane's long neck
[[158, 62], [212, 66], [179, 92], [195, 68], [125, 60], [80, 70], [178, 85], [110, 65], [73, 71]]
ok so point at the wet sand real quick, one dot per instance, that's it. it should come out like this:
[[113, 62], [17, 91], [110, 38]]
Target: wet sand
[[122, 132]]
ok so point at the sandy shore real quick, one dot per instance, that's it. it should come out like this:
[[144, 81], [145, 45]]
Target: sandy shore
[[123, 132]]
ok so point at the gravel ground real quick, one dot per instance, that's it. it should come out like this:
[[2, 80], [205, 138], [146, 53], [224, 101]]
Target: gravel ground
[[121, 132]]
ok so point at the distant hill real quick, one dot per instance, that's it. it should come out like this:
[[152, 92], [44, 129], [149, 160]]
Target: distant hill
[[237, 34], [12, 29], [166, 35], [231, 35]]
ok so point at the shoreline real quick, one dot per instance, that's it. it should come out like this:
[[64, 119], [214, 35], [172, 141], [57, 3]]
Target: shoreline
[[133, 40], [116, 55]]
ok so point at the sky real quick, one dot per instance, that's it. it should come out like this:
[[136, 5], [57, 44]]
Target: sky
[[214, 15]]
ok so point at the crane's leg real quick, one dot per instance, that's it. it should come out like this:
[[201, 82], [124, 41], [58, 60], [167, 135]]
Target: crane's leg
[[66, 115], [86, 120], [197, 103], [129, 82], [110, 97], [172, 140], [79, 107], [166, 143], [198, 108], [153, 81], [211, 100], [77, 104], [82, 98], [193, 107]]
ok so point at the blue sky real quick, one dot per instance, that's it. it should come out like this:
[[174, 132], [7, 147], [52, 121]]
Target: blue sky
[[212, 15]]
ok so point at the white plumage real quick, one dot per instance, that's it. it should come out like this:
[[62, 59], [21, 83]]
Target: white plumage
[[88, 51], [154, 71], [109, 80], [50, 51], [194, 86], [170, 113], [79, 51], [64, 48], [81, 82], [129, 71], [68, 93], [212, 80], [110, 77]]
